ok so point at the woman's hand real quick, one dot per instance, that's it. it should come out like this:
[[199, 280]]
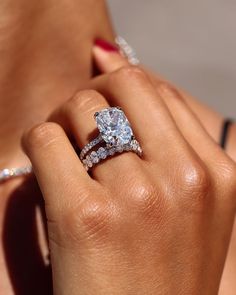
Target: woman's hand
[[159, 224], [210, 119]]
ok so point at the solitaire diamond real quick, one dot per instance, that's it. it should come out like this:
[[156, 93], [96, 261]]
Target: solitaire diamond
[[115, 136], [114, 126]]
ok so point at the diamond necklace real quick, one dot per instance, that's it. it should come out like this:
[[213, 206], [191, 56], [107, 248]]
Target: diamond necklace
[[7, 173]]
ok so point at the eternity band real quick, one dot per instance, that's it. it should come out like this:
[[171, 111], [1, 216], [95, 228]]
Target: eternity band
[[115, 133]]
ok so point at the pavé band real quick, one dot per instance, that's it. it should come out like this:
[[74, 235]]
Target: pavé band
[[104, 152]]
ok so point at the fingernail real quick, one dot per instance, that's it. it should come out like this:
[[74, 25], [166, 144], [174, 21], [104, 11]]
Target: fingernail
[[105, 45]]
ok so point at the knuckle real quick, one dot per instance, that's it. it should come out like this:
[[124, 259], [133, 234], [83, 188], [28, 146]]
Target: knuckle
[[196, 179], [94, 219], [129, 73], [195, 185], [164, 86], [43, 134], [168, 91], [85, 101], [145, 199], [94, 216]]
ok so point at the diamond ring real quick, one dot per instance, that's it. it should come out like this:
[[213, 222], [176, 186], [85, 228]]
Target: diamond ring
[[115, 134]]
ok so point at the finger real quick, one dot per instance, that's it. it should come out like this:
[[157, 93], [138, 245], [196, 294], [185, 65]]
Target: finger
[[131, 89], [77, 118], [174, 99], [110, 62], [181, 106], [218, 163], [211, 120], [55, 163], [189, 124]]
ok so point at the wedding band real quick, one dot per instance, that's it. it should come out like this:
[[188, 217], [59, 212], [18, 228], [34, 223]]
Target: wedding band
[[115, 134]]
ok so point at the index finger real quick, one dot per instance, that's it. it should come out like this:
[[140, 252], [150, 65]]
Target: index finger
[[55, 162]]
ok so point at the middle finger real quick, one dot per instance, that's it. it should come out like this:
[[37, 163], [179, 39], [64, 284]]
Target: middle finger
[[131, 89]]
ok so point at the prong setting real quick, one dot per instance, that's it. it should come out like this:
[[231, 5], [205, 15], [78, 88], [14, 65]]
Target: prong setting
[[96, 115]]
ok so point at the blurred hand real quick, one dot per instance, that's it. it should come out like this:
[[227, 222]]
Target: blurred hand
[[159, 224]]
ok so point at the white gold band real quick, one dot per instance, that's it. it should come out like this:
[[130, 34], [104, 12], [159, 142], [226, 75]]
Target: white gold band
[[89, 146], [103, 153]]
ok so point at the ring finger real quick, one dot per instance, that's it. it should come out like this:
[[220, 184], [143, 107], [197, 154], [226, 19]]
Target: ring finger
[[77, 118], [130, 88]]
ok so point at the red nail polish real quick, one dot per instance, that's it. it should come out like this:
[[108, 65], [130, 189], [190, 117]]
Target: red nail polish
[[106, 45]]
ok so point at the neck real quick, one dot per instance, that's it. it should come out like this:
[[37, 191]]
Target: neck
[[45, 57]]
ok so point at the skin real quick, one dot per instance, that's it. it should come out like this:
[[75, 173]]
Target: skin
[[45, 53], [43, 42], [209, 119], [156, 225], [32, 99]]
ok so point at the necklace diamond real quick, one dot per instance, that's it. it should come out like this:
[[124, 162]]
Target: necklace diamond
[[7, 174]]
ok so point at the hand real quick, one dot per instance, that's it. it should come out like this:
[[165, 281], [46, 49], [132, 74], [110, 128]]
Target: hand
[[210, 119], [156, 225]]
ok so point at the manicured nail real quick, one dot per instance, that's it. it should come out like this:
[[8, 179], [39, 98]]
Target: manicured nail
[[105, 45]]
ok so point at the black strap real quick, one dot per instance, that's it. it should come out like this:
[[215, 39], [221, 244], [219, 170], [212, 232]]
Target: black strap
[[225, 132]]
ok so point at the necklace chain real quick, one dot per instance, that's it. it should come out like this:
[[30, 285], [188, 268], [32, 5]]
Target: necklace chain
[[7, 174]]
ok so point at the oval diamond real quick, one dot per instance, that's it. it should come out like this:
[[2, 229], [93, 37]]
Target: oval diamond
[[114, 126]]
